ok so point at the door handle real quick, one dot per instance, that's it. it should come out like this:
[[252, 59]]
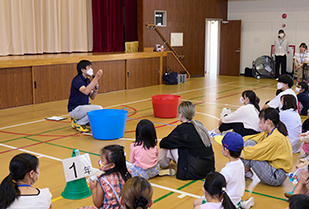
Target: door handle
[[237, 50]]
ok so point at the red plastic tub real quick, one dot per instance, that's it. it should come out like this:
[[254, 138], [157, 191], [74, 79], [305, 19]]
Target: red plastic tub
[[165, 105]]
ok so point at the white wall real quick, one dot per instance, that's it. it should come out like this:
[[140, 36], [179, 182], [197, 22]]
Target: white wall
[[261, 21]]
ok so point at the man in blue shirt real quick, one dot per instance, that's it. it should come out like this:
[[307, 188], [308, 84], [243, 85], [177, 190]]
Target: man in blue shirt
[[81, 90]]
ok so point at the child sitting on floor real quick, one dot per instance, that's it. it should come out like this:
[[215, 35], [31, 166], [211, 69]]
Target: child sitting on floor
[[234, 171], [304, 137], [144, 151], [303, 97], [106, 190], [214, 188], [136, 193], [299, 201]]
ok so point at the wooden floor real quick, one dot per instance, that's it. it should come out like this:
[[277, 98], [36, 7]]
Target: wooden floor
[[24, 129]]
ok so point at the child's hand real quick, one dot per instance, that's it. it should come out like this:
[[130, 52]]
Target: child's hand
[[300, 165], [93, 184], [302, 135], [303, 179]]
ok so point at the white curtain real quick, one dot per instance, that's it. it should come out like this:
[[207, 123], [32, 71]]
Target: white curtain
[[45, 26]]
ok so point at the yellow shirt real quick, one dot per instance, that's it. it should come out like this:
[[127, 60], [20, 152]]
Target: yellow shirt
[[276, 149]]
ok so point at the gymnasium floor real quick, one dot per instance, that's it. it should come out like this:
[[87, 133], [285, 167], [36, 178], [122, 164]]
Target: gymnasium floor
[[24, 129]]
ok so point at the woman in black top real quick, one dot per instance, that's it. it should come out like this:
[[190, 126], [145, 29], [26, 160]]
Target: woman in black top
[[189, 145]]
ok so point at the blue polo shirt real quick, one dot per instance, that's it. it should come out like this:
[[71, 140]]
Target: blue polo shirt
[[76, 97]]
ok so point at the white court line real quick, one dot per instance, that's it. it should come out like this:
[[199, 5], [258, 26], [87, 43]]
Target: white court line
[[207, 87], [215, 103], [34, 153], [208, 115], [128, 139], [183, 194], [21, 124], [142, 100]]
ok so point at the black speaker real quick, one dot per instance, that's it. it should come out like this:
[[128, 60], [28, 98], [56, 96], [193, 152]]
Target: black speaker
[[249, 72]]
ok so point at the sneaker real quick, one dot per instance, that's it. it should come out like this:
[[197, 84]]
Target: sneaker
[[288, 194], [225, 112], [73, 123], [247, 203], [167, 172], [81, 128], [248, 174], [213, 133]]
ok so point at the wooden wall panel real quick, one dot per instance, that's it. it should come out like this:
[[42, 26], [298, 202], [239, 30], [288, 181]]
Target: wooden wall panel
[[143, 72], [173, 64], [16, 87], [53, 82], [187, 17], [113, 78]]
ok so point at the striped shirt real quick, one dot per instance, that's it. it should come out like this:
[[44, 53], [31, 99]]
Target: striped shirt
[[110, 199], [301, 57]]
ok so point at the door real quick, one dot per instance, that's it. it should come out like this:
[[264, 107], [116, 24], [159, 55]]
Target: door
[[230, 39], [143, 72]]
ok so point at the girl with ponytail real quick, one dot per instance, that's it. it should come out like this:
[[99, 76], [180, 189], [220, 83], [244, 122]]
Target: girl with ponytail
[[136, 194], [215, 193], [16, 189], [245, 120], [106, 189], [269, 154]]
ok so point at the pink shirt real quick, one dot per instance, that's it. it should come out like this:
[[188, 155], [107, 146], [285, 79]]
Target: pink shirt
[[306, 148], [144, 158]]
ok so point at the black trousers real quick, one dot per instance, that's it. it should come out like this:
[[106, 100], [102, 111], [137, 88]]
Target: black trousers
[[238, 128], [306, 126], [280, 60]]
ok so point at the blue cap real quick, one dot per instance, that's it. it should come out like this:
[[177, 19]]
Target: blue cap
[[233, 141]]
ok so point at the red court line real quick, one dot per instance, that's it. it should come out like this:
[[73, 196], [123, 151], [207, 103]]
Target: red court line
[[135, 111], [156, 126], [23, 134], [46, 135], [30, 145], [8, 132], [133, 119]]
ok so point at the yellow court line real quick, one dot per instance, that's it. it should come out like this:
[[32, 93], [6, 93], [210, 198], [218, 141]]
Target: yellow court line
[[56, 199]]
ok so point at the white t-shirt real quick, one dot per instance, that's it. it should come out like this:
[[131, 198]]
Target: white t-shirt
[[292, 121], [39, 201], [301, 57], [246, 114], [274, 103], [234, 174], [209, 205]]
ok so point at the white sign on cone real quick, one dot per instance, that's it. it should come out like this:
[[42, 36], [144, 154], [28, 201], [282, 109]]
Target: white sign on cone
[[77, 167]]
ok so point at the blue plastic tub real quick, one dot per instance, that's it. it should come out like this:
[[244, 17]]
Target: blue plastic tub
[[108, 124]]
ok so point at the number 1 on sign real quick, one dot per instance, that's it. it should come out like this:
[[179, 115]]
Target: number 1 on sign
[[73, 166]]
